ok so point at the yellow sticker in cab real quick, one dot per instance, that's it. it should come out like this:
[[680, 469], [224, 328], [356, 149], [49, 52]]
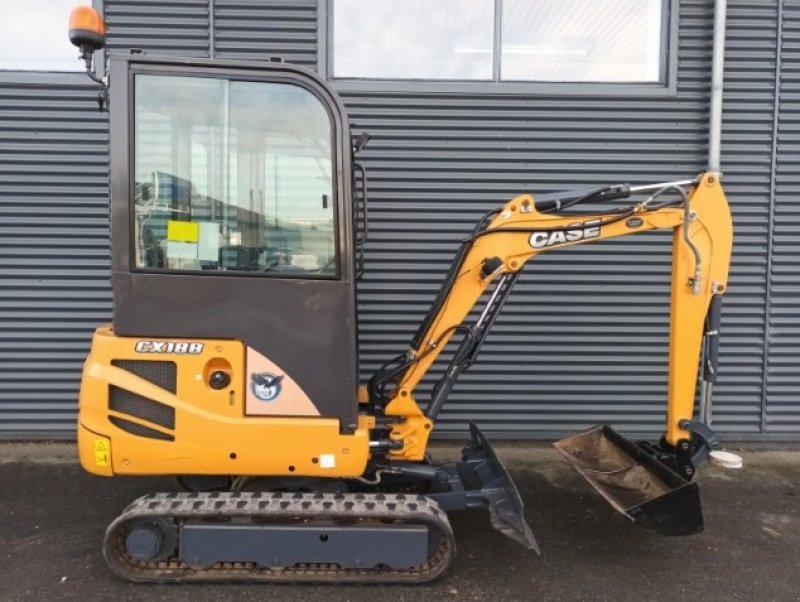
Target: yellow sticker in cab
[[102, 451]]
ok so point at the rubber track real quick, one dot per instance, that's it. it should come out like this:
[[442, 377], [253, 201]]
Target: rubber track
[[266, 506]]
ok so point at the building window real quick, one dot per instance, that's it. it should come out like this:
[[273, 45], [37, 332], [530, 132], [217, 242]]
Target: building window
[[413, 39], [34, 37], [581, 40], [500, 40]]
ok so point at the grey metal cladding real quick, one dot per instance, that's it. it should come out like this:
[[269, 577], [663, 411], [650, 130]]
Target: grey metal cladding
[[782, 411], [257, 30], [584, 335], [748, 103], [176, 27], [54, 253]]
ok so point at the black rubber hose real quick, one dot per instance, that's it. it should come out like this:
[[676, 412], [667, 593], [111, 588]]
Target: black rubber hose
[[444, 292], [712, 339], [608, 222], [563, 200]]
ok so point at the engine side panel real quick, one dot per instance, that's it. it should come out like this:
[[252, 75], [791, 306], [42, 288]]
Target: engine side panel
[[132, 419]]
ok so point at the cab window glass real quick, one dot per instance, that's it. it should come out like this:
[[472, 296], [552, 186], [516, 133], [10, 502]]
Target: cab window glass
[[232, 176]]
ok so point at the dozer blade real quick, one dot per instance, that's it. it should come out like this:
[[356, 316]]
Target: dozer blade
[[506, 510], [635, 482], [480, 480]]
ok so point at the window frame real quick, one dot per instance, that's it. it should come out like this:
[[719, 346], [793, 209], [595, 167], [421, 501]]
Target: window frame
[[286, 79], [667, 87]]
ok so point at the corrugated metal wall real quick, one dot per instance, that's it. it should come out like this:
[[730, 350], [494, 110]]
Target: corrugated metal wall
[[782, 410], [54, 254], [748, 105], [582, 339], [177, 27], [256, 30]]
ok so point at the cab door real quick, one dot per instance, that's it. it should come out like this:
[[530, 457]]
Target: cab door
[[231, 219]]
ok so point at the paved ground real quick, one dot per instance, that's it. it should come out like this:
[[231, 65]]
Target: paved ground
[[52, 518]]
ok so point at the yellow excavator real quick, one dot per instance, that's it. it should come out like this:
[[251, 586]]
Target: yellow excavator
[[238, 220]]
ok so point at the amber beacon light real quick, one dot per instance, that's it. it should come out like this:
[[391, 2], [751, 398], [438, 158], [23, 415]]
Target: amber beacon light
[[86, 31]]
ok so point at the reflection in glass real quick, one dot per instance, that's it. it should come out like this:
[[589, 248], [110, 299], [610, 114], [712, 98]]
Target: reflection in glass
[[581, 40], [413, 39], [232, 175]]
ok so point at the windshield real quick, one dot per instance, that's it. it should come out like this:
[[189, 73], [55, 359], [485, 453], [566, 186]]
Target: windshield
[[232, 176]]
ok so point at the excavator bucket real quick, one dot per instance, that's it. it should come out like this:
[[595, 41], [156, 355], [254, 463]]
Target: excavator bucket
[[634, 481]]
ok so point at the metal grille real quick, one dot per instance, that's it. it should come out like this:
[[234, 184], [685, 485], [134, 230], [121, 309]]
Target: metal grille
[[139, 430], [163, 374], [127, 402]]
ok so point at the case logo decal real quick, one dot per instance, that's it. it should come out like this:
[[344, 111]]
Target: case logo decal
[[265, 386], [168, 347], [574, 232]]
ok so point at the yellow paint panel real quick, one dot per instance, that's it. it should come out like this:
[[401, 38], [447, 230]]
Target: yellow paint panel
[[183, 231], [212, 434], [94, 451]]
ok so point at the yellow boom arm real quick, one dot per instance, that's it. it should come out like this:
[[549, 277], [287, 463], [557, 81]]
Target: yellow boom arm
[[701, 253]]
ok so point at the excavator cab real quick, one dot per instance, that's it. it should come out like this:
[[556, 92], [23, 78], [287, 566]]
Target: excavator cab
[[233, 218]]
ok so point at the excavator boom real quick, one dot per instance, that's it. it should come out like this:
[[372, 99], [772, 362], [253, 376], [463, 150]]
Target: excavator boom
[[651, 484], [496, 253]]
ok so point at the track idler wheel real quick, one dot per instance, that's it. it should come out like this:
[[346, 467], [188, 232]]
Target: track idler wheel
[[151, 540]]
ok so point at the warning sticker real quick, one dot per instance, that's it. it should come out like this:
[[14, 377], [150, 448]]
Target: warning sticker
[[102, 452], [327, 461]]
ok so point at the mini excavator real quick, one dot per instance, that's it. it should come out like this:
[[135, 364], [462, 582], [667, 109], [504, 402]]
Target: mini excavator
[[238, 217]]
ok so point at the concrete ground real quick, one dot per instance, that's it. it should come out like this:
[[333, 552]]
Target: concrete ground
[[52, 519]]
